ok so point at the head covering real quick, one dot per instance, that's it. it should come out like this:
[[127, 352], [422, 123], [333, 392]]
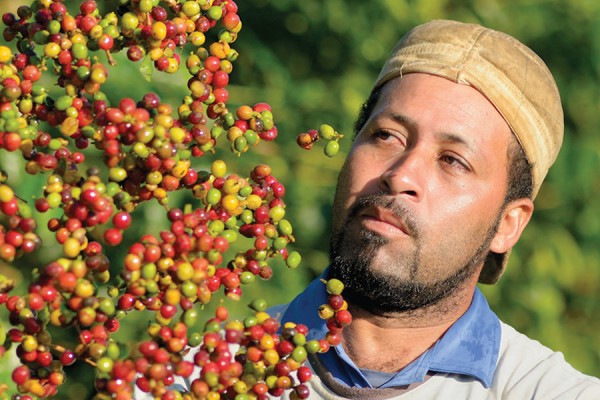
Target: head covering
[[508, 73]]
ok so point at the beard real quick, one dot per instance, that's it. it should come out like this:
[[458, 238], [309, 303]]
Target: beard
[[381, 292]]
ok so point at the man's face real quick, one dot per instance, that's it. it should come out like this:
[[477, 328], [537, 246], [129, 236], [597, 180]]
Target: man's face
[[420, 194]]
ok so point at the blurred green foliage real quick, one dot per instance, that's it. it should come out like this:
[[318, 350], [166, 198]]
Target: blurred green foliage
[[315, 61]]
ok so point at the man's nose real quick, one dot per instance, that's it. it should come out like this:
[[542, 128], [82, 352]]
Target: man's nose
[[406, 175]]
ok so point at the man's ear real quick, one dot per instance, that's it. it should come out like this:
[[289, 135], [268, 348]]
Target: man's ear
[[514, 219]]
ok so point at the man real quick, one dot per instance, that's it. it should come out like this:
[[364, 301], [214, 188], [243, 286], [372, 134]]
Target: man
[[451, 149]]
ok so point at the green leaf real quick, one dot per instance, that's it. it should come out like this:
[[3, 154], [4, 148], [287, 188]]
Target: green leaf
[[147, 68]]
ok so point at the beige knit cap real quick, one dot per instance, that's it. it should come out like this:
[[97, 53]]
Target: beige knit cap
[[509, 74]]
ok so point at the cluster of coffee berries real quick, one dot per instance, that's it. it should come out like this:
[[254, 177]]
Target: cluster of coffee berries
[[100, 160], [326, 132], [254, 358], [335, 311], [147, 147], [18, 235]]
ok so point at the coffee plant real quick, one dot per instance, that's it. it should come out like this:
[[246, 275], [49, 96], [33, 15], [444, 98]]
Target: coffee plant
[[100, 160]]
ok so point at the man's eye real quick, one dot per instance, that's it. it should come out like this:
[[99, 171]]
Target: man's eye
[[382, 135], [453, 161]]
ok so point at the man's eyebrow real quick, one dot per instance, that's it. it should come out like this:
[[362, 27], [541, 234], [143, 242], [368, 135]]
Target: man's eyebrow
[[454, 138], [401, 119]]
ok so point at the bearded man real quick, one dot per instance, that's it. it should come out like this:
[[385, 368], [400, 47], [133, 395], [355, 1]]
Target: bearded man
[[451, 148]]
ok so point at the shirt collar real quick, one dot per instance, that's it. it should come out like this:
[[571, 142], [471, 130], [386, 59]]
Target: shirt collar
[[469, 347]]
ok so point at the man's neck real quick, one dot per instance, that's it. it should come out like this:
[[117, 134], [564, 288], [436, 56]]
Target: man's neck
[[390, 342]]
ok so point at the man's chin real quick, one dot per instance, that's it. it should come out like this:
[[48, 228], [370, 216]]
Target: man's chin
[[375, 286], [370, 288]]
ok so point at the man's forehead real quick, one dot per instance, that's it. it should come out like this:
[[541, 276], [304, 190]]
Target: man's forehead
[[402, 100]]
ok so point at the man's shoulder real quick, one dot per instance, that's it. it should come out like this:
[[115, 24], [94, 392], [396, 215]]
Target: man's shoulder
[[528, 368], [514, 344]]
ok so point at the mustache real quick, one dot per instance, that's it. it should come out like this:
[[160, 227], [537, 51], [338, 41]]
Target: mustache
[[388, 203]]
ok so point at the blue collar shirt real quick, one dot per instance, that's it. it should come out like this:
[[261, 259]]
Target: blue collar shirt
[[469, 347]]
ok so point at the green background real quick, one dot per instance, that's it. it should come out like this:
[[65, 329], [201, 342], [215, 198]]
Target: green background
[[315, 61]]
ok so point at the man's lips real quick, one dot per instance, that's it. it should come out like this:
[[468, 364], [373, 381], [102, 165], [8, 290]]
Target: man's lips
[[383, 220]]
